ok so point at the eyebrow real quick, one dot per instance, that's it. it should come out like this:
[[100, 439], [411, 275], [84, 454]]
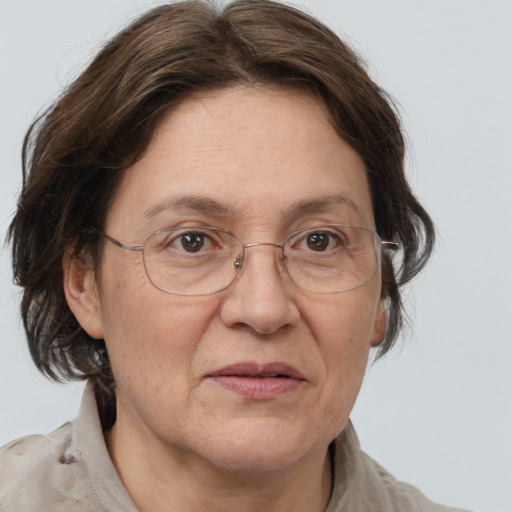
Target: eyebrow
[[323, 203], [199, 203], [212, 206]]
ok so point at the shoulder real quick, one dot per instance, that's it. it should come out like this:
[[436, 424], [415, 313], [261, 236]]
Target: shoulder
[[360, 483], [43, 472], [403, 495]]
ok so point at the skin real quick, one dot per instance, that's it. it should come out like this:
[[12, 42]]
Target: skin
[[181, 441]]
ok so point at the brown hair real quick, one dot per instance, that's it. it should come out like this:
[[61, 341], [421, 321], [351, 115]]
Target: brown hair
[[74, 154]]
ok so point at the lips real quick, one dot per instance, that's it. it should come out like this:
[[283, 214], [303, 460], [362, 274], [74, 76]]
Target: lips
[[256, 381]]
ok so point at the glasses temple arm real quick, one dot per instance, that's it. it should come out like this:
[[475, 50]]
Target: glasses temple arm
[[386, 244], [118, 243]]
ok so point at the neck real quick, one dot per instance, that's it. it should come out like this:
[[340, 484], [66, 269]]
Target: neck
[[166, 480]]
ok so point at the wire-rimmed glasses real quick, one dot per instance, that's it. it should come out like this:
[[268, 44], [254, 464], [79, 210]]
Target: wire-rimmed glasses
[[203, 260]]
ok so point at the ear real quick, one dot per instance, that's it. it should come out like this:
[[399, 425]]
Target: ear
[[81, 294], [380, 324]]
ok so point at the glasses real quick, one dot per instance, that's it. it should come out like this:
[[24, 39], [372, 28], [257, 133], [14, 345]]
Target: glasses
[[196, 260]]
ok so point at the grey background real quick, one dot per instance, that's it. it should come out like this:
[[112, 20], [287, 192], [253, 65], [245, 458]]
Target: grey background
[[438, 411]]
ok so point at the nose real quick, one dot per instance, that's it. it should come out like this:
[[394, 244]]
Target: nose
[[262, 297]]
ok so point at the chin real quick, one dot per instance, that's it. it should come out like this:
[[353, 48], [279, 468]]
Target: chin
[[255, 459], [260, 447]]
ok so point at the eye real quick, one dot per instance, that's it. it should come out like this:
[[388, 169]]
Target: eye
[[320, 241], [187, 242], [192, 242]]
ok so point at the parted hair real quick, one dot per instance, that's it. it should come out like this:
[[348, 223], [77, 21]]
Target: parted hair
[[75, 153]]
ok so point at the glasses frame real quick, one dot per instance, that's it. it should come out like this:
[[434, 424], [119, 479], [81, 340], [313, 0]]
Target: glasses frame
[[238, 263]]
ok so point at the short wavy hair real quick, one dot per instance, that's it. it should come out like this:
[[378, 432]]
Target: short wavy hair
[[75, 153]]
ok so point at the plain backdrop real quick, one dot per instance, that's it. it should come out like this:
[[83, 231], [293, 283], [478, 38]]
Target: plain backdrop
[[438, 411]]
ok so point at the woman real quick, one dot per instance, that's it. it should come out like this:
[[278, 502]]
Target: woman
[[213, 231]]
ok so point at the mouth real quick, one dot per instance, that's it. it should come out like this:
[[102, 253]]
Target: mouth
[[276, 370], [256, 381], [267, 376]]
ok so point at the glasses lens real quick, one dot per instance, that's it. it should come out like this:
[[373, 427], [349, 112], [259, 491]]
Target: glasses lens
[[203, 261], [332, 259], [191, 260]]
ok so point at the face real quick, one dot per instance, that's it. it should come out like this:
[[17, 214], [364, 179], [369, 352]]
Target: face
[[194, 374]]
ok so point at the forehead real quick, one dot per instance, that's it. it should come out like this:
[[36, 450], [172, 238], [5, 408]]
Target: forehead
[[244, 153]]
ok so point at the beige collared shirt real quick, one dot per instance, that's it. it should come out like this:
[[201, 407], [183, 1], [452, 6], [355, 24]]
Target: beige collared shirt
[[70, 470]]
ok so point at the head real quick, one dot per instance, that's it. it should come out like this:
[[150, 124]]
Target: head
[[80, 154]]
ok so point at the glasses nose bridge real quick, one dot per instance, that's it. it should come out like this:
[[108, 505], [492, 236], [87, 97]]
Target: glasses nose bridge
[[270, 244], [241, 257], [255, 244]]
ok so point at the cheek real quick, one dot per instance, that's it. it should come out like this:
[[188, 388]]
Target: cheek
[[343, 327], [345, 352], [149, 333], [343, 323]]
